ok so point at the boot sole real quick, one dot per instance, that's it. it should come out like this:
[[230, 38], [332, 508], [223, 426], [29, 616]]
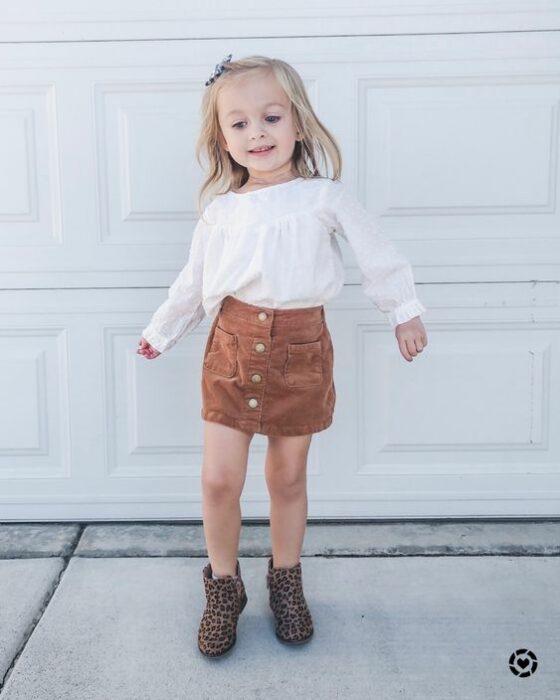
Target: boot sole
[[293, 641], [221, 654]]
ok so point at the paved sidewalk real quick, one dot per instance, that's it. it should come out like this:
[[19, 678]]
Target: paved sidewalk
[[418, 610]]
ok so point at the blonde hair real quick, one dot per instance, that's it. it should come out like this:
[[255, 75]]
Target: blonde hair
[[317, 143]]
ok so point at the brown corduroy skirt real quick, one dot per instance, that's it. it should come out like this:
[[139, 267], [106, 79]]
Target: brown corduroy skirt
[[268, 370]]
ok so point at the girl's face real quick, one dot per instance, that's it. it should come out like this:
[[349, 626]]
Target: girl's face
[[255, 112]]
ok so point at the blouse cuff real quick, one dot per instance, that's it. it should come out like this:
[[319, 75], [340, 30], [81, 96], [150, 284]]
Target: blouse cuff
[[156, 340], [405, 312]]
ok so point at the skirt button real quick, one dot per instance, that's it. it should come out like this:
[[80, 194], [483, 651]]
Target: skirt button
[[256, 378], [260, 347], [253, 403], [263, 316]]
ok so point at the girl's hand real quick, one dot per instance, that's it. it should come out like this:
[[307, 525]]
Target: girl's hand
[[144, 348], [412, 337]]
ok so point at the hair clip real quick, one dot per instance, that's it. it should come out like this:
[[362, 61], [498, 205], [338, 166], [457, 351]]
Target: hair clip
[[218, 70]]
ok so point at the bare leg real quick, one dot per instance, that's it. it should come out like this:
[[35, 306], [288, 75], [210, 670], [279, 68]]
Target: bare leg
[[286, 478], [223, 475]]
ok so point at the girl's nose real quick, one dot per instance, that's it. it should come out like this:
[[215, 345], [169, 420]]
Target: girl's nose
[[258, 133]]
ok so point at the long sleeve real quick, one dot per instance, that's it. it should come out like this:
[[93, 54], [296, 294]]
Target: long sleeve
[[182, 311], [387, 278]]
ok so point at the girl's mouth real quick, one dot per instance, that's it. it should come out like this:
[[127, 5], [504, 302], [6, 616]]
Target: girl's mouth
[[262, 153]]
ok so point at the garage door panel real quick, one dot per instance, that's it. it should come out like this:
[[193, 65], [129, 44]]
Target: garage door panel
[[145, 136], [479, 390], [34, 429], [462, 149], [152, 408], [30, 175]]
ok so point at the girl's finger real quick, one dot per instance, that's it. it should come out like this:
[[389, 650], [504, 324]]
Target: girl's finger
[[411, 347], [404, 350]]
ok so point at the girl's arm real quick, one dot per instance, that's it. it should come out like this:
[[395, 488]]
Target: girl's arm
[[182, 311], [386, 274]]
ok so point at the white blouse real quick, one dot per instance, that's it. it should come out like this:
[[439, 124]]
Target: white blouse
[[276, 247]]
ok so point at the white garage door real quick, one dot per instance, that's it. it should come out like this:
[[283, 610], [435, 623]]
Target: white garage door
[[448, 120]]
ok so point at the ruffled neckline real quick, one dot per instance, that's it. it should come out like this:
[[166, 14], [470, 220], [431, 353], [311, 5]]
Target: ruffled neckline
[[268, 187]]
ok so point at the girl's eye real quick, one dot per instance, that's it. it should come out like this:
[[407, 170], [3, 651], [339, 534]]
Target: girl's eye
[[271, 117]]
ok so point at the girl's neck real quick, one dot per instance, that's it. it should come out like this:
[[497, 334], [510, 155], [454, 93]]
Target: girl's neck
[[256, 183]]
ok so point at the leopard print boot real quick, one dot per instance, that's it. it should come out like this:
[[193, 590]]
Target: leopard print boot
[[287, 601], [225, 600]]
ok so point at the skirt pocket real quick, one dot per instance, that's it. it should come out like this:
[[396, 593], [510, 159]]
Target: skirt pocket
[[304, 364], [221, 357]]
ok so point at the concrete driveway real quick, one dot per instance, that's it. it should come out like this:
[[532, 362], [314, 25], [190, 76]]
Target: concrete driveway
[[422, 610]]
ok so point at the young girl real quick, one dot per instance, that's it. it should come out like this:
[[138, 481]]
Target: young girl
[[263, 261]]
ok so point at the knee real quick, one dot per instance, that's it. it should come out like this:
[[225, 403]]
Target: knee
[[287, 482], [219, 485]]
